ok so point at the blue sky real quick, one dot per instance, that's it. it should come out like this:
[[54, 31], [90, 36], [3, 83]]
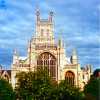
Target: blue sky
[[78, 20]]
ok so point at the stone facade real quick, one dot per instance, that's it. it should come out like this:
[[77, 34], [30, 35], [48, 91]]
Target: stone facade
[[43, 51]]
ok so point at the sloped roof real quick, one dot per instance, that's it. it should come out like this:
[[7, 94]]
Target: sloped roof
[[8, 72], [22, 58]]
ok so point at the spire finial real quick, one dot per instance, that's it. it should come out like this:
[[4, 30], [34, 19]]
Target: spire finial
[[50, 16], [74, 58], [60, 34], [60, 39], [37, 13], [15, 52]]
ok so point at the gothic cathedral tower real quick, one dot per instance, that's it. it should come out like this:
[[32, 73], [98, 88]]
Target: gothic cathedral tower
[[43, 51]]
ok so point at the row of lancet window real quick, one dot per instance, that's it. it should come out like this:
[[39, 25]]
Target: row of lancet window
[[46, 62], [49, 61], [70, 77]]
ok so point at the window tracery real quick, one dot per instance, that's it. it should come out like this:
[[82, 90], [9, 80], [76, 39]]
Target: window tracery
[[70, 77], [48, 60]]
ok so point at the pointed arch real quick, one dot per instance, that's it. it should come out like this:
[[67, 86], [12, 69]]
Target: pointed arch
[[48, 60], [6, 76], [70, 77]]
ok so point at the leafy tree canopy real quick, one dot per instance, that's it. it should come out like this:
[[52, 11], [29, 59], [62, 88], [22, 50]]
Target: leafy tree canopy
[[6, 91], [39, 86], [92, 89], [66, 91], [34, 85], [96, 73]]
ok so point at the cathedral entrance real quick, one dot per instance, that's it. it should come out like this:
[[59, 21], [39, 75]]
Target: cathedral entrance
[[70, 77], [47, 60]]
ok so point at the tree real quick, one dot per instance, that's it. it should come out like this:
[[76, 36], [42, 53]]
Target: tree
[[38, 85], [34, 85], [92, 89], [96, 73], [66, 92], [70, 92], [6, 91]]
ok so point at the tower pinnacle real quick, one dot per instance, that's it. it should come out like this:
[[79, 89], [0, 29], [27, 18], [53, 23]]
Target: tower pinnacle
[[74, 58], [37, 13], [50, 16], [60, 39], [15, 57]]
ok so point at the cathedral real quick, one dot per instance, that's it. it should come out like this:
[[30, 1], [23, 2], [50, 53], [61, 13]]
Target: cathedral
[[43, 50]]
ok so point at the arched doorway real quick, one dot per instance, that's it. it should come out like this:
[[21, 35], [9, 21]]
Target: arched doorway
[[70, 77], [46, 59]]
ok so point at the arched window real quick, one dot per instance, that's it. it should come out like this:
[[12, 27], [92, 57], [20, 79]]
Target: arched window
[[70, 77], [46, 59]]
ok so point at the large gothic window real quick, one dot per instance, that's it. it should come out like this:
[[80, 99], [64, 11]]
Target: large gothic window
[[70, 77], [48, 60]]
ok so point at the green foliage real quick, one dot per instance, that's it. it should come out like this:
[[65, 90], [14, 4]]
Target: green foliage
[[66, 92], [96, 73], [33, 85], [6, 91], [92, 89], [39, 86]]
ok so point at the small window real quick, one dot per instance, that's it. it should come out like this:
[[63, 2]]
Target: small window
[[83, 77], [42, 32]]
